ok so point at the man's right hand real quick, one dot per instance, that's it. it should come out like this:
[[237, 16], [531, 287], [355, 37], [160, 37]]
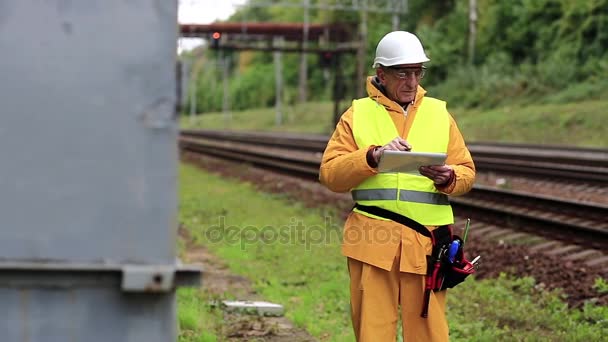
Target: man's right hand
[[397, 144]]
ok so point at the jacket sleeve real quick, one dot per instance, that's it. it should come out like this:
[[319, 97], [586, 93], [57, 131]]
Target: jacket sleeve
[[344, 164], [461, 161]]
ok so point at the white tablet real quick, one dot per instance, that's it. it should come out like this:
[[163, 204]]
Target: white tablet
[[408, 162]]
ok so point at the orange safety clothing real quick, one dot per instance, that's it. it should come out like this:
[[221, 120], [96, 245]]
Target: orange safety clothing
[[387, 261], [344, 166], [376, 295]]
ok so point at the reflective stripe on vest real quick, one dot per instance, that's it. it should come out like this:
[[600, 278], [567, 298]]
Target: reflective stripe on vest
[[411, 195], [404, 195]]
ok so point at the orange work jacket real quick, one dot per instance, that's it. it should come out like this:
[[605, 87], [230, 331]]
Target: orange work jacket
[[344, 166]]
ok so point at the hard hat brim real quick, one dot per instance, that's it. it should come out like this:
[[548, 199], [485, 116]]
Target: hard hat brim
[[397, 61]]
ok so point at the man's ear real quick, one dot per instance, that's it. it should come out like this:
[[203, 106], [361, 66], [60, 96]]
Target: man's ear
[[381, 75]]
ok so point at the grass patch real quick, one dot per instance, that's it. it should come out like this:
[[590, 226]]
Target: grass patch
[[575, 124], [310, 117], [507, 309], [198, 320], [254, 232]]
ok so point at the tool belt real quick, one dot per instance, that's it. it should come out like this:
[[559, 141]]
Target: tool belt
[[442, 273]]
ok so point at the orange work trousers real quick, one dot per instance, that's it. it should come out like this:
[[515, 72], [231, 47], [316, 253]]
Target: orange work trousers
[[376, 295]]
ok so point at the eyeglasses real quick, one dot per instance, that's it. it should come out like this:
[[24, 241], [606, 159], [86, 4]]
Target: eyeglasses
[[405, 73]]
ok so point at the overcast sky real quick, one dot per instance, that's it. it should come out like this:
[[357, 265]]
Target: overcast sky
[[206, 11], [203, 12]]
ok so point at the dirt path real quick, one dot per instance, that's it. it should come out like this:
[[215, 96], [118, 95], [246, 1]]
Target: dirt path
[[218, 280]]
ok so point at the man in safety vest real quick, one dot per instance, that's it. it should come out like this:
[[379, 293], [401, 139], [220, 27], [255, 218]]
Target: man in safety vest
[[387, 260]]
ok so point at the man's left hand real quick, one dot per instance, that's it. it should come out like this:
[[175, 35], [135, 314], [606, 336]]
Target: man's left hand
[[439, 174]]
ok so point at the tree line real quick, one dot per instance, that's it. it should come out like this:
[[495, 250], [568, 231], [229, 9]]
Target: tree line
[[523, 51]]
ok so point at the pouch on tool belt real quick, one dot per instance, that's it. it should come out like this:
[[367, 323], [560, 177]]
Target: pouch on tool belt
[[443, 273], [457, 271]]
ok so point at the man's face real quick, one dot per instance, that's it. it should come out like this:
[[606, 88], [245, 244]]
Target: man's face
[[401, 81]]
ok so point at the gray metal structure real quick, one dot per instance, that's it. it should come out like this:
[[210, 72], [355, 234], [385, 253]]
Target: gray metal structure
[[88, 178]]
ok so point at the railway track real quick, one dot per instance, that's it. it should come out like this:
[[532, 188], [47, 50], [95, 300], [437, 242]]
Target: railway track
[[571, 221], [558, 162]]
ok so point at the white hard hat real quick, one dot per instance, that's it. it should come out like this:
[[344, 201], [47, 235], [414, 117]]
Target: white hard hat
[[399, 47]]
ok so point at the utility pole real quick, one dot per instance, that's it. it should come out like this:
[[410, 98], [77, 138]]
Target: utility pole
[[196, 64], [184, 80], [472, 29], [397, 7], [278, 76], [304, 56], [362, 50], [193, 92], [225, 104], [338, 88]]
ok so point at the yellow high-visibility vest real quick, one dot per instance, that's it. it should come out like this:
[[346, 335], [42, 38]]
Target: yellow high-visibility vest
[[411, 195]]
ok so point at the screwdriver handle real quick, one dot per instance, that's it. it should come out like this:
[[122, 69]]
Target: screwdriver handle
[[454, 247]]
